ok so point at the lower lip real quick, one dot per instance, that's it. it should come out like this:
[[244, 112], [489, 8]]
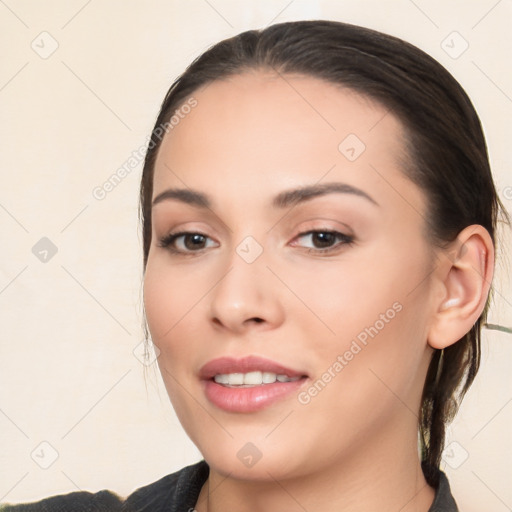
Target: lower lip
[[233, 399]]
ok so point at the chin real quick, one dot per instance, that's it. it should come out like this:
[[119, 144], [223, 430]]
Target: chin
[[237, 465]]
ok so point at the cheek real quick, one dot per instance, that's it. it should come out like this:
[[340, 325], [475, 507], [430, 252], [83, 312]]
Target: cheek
[[370, 309], [166, 302], [349, 295], [170, 294], [174, 302], [158, 302]]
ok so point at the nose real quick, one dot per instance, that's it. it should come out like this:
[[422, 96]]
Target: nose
[[246, 298]]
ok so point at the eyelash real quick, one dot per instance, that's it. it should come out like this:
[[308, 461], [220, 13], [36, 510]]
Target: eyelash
[[167, 241]]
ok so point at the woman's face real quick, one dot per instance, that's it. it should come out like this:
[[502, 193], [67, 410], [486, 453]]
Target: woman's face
[[329, 287]]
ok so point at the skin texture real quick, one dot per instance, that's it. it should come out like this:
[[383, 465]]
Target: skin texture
[[353, 446]]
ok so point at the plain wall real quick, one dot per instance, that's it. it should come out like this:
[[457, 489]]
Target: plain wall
[[69, 376]]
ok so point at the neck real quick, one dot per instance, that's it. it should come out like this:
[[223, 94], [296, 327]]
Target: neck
[[375, 478]]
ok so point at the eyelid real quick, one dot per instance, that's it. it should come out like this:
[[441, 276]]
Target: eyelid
[[326, 223]]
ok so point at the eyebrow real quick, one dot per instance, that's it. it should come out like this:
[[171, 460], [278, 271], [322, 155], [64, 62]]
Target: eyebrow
[[282, 200]]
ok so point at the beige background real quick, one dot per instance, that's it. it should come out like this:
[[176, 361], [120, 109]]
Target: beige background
[[69, 376]]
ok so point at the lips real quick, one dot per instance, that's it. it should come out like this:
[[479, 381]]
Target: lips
[[243, 398]]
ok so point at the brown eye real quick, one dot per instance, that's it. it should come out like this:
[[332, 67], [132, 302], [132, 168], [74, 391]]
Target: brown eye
[[323, 241], [194, 241], [186, 242]]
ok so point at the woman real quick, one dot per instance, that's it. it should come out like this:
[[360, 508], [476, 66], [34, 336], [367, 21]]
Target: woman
[[319, 225]]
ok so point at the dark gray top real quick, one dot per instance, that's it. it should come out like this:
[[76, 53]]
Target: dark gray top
[[177, 492]]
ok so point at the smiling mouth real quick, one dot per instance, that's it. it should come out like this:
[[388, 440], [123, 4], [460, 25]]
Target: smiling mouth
[[249, 384]]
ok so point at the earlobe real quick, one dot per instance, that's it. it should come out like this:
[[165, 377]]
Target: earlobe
[[465, 277]]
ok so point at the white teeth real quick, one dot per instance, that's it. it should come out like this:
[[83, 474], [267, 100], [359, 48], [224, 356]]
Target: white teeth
[[269, 378], [251, 378], [235, 379], [221, 379]]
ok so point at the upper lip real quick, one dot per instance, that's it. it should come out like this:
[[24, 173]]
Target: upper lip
[[224, 365]]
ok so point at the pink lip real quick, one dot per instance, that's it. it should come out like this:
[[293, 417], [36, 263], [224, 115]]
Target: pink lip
[[249, 399]]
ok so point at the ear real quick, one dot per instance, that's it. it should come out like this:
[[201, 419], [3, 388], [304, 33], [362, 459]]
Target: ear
[[465, 273]]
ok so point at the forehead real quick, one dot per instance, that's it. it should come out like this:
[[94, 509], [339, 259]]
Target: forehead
[[261, 128], [271, 100]]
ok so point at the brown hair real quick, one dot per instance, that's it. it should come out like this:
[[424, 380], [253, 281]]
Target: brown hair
[[444, 138]]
